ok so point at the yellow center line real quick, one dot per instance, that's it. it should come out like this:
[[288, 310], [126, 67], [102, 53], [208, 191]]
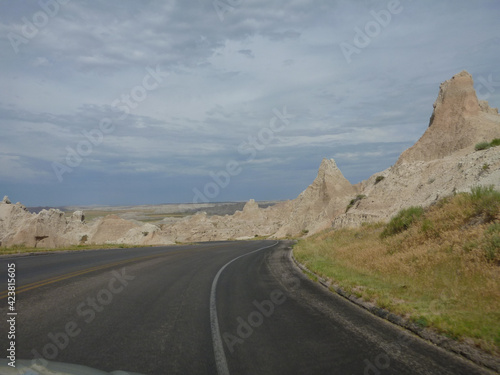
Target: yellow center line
[[55, 279]]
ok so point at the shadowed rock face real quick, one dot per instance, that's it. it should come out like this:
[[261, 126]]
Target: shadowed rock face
[[441, 162]]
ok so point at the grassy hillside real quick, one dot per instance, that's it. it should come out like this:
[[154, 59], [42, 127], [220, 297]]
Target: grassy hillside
[[439, 267]]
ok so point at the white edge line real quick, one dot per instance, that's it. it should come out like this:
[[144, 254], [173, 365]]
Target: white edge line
[[220, 355]]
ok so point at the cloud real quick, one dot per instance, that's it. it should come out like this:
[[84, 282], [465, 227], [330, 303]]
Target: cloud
[[247, 52], [224, 80]]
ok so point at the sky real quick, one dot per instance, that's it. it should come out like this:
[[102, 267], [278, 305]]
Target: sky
[[123, 102]]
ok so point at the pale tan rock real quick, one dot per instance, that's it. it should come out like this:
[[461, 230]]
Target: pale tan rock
[[316, 207], [147, 234], [485, 107], [49, 228], [110, 229], [441, 162], [458, 122]]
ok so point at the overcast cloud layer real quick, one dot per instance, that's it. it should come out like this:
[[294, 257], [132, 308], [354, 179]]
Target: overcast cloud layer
[[144, 102]]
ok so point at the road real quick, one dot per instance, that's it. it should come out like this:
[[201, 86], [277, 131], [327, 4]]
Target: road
[[210, 308]]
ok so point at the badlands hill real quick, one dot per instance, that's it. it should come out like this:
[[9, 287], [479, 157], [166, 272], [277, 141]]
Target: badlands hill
[[443, 161]]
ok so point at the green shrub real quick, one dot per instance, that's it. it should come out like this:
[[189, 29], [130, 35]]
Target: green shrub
[[402, 221], [354, 201], [495, 142], [378, 179], [482, 146], [486, 201], [485, 145]]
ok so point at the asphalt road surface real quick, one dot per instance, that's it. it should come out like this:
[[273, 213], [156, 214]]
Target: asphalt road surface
[[210, 308]]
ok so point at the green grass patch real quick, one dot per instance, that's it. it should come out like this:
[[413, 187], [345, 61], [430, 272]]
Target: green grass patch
[[482, 146], [486, 145], [486, 201], [402, 221], [439, 267]]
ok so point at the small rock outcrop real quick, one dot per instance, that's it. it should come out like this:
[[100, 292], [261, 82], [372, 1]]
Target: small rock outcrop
[[49, 228]]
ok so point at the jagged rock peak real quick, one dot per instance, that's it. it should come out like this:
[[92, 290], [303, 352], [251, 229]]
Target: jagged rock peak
[[78, 216], [6, 200], [251, 206], [328, 182], [327, 169], [328, 165], [456, 97], [458, 122]]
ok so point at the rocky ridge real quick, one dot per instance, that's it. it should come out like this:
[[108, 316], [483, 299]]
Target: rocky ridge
[[51, 228], [441, 162]]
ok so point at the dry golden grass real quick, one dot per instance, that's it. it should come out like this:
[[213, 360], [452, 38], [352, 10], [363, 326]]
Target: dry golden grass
[[443, 272]]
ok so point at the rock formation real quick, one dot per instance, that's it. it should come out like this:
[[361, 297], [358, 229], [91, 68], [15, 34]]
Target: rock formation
[[316, 207], [441, 162], [458, 122], [250, 222], [51, 228], [313, 210]]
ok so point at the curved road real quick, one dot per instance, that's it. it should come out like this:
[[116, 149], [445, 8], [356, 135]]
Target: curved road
[[210, 308]]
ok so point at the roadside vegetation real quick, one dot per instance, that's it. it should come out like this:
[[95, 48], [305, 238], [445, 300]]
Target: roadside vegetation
[[439, 267]]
